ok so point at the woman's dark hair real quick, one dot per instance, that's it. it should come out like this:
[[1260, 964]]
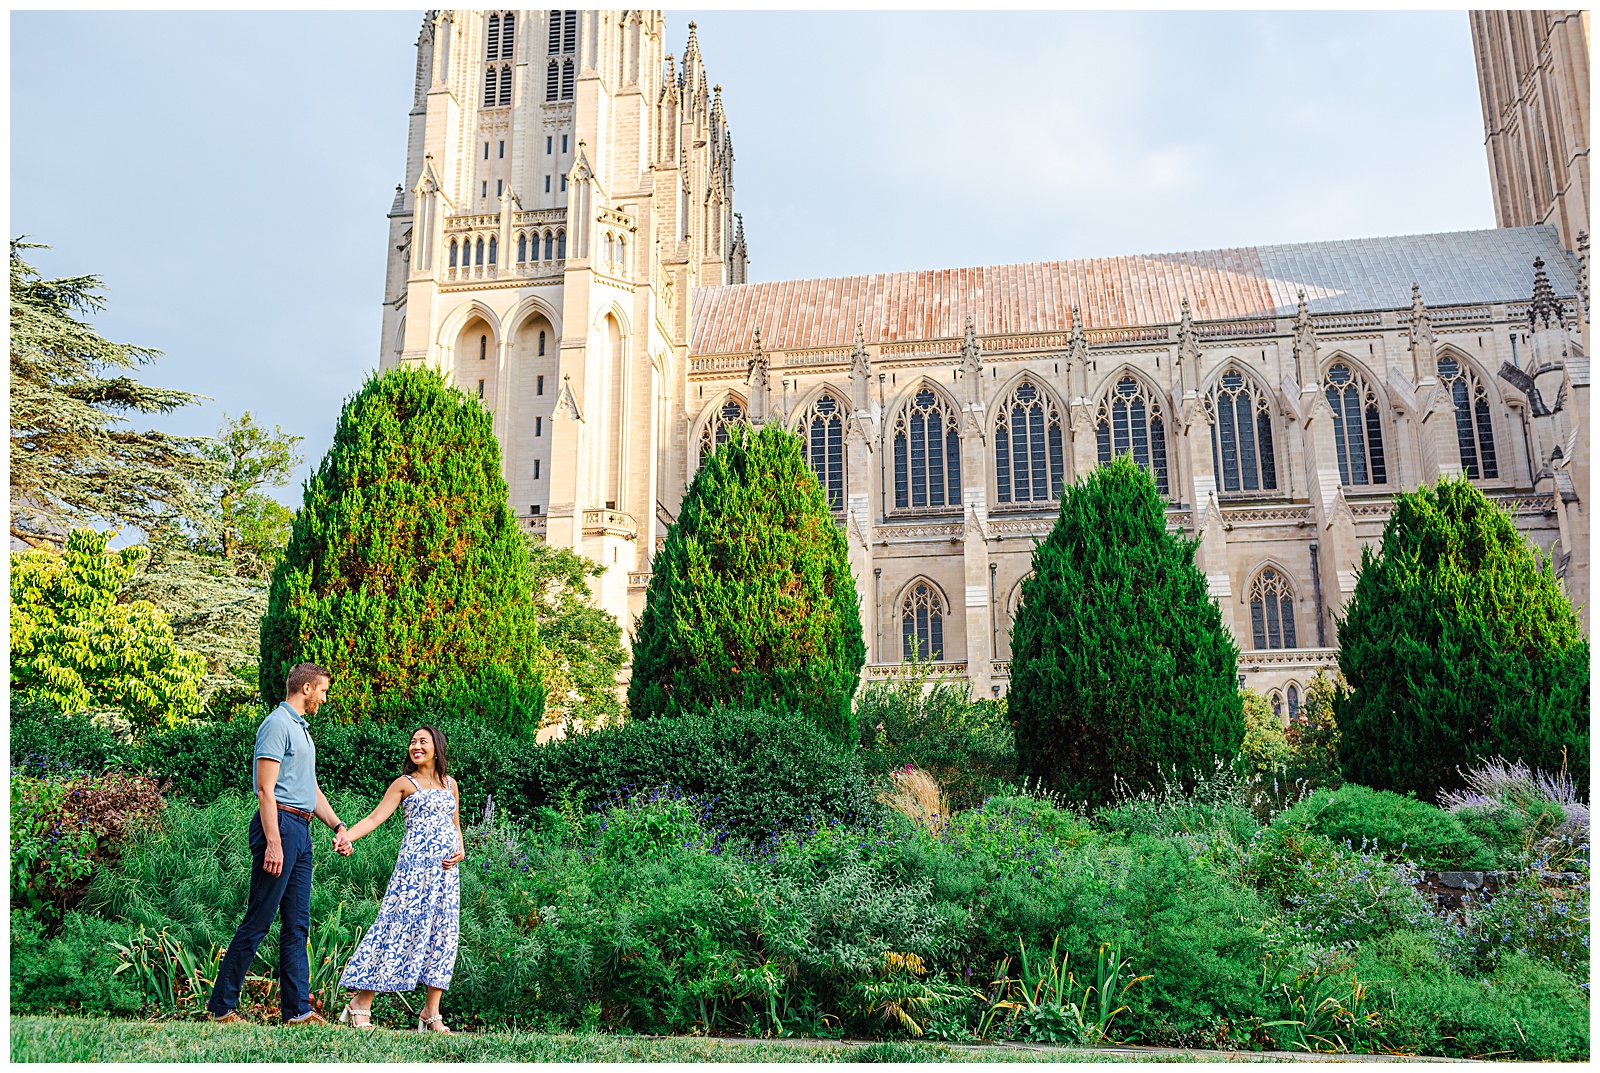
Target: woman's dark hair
[[441, 767]]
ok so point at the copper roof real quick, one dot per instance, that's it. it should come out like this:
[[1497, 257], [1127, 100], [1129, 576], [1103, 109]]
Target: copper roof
[[1113, 292]]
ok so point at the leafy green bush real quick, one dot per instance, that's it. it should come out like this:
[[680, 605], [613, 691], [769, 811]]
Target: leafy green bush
[[1265, 745], [1332, 895], [44, 740], [1122, 667], [763, 770], [1387, 823], [751, 603], [74, 645], [1536, 917], [1314, 738], [405, 571], [1522, 1010], [1459, 645], [1530, 818], [72, 971], [1222, 799], [968, 745]]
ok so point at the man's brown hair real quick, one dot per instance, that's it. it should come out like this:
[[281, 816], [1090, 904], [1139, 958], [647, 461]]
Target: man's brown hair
[[303, 674]]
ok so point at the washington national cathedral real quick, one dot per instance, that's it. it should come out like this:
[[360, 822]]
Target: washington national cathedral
[[565, 248]]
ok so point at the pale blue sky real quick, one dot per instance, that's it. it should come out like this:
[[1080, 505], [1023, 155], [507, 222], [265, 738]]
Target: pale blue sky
[[228, 174]]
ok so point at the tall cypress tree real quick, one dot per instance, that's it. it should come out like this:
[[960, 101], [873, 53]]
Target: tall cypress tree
[[751, 601], [1458, 644], [1122, 668], [405, 571]]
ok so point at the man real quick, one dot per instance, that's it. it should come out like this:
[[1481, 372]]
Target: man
[[286, 788]]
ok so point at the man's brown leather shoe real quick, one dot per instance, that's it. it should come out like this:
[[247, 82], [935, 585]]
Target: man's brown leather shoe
[[311, 1017], [229, 1018]]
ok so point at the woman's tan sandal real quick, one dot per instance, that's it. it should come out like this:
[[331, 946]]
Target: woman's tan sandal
[[432, 1024], [349, 1014]]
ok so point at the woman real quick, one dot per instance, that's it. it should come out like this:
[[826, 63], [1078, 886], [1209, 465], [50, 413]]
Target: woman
[[419, 923]]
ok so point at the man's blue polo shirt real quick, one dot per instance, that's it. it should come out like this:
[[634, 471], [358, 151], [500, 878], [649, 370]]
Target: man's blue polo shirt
[[284, 737]]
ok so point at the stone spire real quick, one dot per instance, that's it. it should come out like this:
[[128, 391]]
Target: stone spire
[[1422, 361], [1305, 343], [1583, 269], [972, 365], [1545, 307], [1077, 356], [860, 375], [757, 381], [739, 254], [1188, 349]]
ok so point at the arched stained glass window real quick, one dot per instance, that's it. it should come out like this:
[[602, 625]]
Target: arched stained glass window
[[715, 434], [927, 454], [822, 426], [1277, 705], [922, 623], [1241, 435], [1272, 611], [549, 245], [1029, 457], [1474, 425], [494, 247], [452, 253], [561, 245], [480, 252], [1130, 422], [1294, 702], [522, 248], [1357, 427]]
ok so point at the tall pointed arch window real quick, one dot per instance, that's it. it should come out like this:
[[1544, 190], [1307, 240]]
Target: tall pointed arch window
[[522, 248], [715, 434], [549, 245], [479, 254], [1241, 434], [1271, 611], [552, 81], [822, 427], [1294, 702], [1357, 426], [561, 245], [927, 454], [1029, 456], [453, 251], [1130, 422], [505, 85], [489, 84], [1474, 425], [494, 248], [566, 81], [922, 623]]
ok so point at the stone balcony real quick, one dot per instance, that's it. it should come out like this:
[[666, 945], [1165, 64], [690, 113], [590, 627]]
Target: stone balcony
[[610, 523]]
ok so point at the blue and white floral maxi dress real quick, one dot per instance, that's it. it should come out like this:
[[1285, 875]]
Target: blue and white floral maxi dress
[[418, 928]]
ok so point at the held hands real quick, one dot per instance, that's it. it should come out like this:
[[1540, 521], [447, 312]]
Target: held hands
[[342, 844]]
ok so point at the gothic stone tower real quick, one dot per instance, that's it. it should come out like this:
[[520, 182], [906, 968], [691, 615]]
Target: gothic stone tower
[[566, 189]]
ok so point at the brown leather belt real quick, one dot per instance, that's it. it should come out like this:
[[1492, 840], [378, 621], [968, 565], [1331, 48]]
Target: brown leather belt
[[302, 813]]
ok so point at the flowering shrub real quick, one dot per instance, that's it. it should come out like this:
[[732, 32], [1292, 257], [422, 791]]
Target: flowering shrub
[[62, 827], [1332, 895], [1543, 920], [1533, 818]]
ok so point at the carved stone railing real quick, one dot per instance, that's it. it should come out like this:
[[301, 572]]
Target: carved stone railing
[[1285, 513], [1107, 336], [1001, 668], [1216, 329], [1335, 322], [537, 524], [638, 579], [887, 671], [720, 363], [1287, 658], [926, 530], [610, 523]]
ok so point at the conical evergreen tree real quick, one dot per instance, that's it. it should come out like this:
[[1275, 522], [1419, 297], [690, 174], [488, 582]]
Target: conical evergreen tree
[[1458, 644], [405, 571], [751, 601], [1121, 667]]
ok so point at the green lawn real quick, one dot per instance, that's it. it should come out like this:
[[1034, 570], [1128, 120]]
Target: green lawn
[[83, 1039]]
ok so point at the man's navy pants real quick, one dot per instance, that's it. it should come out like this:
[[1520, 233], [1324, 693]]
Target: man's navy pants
[[288, 893]]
